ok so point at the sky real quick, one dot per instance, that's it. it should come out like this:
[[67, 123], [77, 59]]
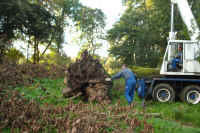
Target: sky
[[112, 9]]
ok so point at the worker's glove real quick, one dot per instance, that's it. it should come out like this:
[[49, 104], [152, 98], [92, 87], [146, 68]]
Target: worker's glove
[[108, 79]]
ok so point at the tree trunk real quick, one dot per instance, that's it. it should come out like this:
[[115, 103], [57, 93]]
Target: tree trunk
[[36, 52]]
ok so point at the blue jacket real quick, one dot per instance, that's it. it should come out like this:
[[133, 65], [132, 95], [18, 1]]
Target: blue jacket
[[174, 63], [126, 74]]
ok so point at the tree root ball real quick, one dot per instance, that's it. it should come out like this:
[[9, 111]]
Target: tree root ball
[[87, 76]]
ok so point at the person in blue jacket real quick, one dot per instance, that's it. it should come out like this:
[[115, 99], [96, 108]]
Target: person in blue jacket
[[130, 79], [176, 64]]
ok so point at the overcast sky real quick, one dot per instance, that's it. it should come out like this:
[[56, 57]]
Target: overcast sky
[[112, 10]]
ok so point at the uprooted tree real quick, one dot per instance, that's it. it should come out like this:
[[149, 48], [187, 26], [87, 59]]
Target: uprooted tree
[[87, 77]]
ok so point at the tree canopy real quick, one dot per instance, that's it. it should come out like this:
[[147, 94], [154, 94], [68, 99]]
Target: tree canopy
[[43, 23], [140, 36]]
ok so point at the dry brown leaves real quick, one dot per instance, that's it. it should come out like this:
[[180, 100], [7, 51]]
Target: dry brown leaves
[[12, 74], [28, 116]]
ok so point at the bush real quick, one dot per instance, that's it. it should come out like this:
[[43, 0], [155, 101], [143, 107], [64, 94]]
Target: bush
[[12, 74], [14, 55], [145, 72], [140, 71]]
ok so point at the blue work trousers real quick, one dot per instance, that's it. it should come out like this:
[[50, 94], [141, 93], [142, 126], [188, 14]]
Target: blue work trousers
[[129, 89]]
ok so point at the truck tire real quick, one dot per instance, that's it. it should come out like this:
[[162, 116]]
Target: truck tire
[[190, 94], [163, 93]]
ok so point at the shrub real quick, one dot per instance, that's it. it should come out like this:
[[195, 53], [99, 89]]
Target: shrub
[[145, 72], [12, 74]]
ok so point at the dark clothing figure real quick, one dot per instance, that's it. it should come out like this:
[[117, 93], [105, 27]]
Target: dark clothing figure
[[141, 89], [175, 63], [180, 56], [130, 79]]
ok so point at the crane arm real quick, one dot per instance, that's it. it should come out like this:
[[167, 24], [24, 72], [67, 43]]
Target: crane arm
[[188, 18]]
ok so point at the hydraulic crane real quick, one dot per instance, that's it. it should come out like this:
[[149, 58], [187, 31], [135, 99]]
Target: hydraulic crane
[[180, 69]]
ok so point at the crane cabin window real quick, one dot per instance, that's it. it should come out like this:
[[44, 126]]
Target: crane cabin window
[[192, 51], [175, 51]]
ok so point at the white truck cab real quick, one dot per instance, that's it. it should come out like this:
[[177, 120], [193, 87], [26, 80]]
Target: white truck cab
[[180, 70], [188, 54]]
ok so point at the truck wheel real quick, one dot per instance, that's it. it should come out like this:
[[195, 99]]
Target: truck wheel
[[190, 94], [163, 93]]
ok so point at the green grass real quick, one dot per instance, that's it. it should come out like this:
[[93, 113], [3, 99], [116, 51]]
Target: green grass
[[175, 117], [167, 126], [45, 91]]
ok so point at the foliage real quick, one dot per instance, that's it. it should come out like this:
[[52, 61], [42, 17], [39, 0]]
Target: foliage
[[198, 58], [133, 38], [20, 18], [86, 20], [144, 72], [42, 23], [5, 44], [14, 55], [140, 36], [12, 74], [53, 57], [89, 24], [92, 24], [112, 65]]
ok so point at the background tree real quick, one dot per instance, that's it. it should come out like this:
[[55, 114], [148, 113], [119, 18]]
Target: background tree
[[55, 58], [92, 23], [42, 23], [20, 17], [87, 21], [140, 36]]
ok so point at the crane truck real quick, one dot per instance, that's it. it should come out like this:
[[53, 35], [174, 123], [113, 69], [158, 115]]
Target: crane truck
[[180, 68]]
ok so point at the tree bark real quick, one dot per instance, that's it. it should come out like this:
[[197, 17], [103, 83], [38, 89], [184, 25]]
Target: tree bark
[[36, 52], [47, 46]]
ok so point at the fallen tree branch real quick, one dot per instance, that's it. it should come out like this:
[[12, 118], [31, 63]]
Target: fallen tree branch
[[77, 95]]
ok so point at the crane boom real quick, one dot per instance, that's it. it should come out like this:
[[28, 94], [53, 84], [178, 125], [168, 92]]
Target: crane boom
[[188, 18], [181, 65]]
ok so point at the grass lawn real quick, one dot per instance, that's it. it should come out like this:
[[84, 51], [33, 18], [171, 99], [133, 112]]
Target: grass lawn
[[174, 117]]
